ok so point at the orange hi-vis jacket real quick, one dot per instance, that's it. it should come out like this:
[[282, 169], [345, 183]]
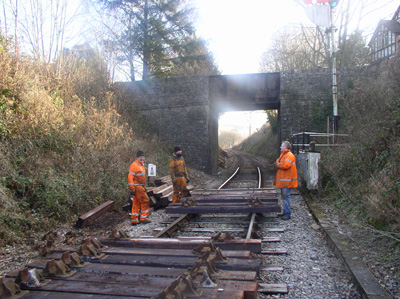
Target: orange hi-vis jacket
[[177, 167], [286, 176], [140, 201], [136, 176], [179, 175]]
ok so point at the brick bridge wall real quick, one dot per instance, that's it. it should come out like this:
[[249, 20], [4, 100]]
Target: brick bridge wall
[[184, 111], [306, 96]]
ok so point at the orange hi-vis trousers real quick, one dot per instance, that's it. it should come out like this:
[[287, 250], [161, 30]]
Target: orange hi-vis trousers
[[140, 205], [179, 186]]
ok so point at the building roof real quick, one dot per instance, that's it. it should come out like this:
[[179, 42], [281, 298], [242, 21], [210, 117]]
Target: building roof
[[392, 25]]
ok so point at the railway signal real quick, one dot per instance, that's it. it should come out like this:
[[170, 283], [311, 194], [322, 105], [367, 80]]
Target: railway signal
[[321, 14]]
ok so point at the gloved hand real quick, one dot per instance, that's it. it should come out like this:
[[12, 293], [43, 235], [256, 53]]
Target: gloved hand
[[133, 192], [187, 181], [174, 180]]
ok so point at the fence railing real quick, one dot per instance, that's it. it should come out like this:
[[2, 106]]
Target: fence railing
[[309, 141]]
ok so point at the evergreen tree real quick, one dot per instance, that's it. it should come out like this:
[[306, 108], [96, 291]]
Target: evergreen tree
[[157, 36]]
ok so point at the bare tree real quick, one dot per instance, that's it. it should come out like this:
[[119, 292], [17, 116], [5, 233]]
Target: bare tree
[[39, 26], [295, 48]]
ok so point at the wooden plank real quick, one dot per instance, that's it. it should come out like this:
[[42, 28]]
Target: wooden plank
[[94, 214], [149, 281], [236, 275], [162, 180], [236, 190], [153, 190], [102, 288], [231, 200], [254, 245], [249, 287], [220, 293], [232, 204], [119, 269], [38, 294], [170, 252], [274, 251], [273, 288], [221, 209], [232, 196], [271, 239], [177, 262], [272, 268], [164, 192], [211, 229], [275, 230]]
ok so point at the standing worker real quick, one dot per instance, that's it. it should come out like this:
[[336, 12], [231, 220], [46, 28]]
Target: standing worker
[[137, 186], [286, 177], [179, 175]]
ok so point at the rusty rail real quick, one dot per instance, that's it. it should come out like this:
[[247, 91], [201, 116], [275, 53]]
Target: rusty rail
[[178, 222]]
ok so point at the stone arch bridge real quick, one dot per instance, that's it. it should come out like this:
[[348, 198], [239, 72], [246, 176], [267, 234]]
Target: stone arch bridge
[[184, 111]]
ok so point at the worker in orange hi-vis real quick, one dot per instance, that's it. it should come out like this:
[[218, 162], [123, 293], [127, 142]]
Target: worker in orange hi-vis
[[178, 173], [137, 187]]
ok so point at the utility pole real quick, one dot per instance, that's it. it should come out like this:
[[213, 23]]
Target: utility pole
[[320, 12], [332, 5]]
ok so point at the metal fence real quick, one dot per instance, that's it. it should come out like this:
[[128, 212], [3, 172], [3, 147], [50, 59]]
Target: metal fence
[[310, 141]]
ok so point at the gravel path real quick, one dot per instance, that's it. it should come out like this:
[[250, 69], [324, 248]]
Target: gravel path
[[310, 269]]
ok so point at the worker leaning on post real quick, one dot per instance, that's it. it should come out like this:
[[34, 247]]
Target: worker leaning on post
[[178, 173], [137, 187]]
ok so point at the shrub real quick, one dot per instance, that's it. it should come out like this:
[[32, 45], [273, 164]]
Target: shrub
[[64, 147], [367, 171]]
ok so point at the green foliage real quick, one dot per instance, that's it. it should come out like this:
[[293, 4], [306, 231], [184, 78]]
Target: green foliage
[[64, 147], [319, 113], [273, 119], [264, 143], [157, 35], [363, 177]]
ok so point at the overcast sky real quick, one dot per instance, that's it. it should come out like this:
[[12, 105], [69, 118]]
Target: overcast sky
[[240, 31]]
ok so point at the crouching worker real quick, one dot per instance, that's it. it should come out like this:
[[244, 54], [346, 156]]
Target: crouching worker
[[137, 187], [179, 175]]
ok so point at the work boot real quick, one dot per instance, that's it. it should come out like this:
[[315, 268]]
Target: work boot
[[285, 218], [145, 221], [134, 223]]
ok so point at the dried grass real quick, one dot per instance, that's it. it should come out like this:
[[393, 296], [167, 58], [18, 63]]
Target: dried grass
[[64, 146], [366, 172]]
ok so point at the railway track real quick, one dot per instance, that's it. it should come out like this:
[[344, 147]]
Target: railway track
[[205, 251]]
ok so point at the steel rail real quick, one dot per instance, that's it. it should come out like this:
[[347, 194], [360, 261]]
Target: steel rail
[[227, 181], [253, 215], [166, 232]]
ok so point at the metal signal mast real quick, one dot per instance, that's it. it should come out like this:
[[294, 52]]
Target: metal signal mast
[[320, 12]]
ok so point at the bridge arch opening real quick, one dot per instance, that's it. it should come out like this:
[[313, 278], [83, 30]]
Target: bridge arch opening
[[236, 126]]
